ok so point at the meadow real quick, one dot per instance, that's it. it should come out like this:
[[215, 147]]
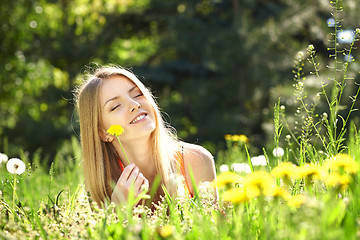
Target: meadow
[[303, 184]]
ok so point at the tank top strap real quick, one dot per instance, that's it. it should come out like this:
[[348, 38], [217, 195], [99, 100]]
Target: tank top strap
[[181, 164], [120, 164]]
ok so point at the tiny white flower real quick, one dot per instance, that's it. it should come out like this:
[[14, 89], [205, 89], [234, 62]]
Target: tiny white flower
[[205, 189], [224, 168], [241, 167], [3, 157], [15, 166], [278, 152], [259, 160], [324, 115]]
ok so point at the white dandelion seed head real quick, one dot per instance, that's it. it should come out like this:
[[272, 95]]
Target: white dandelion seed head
[[3, 158], [241, 167], [15, 166], [224, 168], [278, 152], [259, 160]]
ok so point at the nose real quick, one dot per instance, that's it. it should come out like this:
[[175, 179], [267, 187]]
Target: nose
[[134, 105]]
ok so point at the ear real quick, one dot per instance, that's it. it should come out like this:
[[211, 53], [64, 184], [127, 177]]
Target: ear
[[104, 136]]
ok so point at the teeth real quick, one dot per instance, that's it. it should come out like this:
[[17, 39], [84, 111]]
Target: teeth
[[138, 118]]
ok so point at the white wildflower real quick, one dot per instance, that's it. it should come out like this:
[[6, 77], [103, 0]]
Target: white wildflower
[[325, 115], [224, 168], [278, 152], [241, 167], [3, 157], [300, 54], [206, 190], [259, 160], [15, 166]]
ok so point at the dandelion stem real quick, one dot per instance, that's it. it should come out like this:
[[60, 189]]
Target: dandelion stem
[[123, 150], [14, 192]]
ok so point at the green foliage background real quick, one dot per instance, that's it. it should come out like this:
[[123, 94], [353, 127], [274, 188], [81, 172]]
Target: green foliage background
[[216, 66]]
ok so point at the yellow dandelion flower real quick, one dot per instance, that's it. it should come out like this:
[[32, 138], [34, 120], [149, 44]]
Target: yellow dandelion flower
[[241, 138], [115, 130], [226, 178], [285, 170], [166, 231], [296, 201], [277, 192], [235, 195], [335, 179], [257, 183], [311, 171], [228, 137], [237, 138], [344, 162]]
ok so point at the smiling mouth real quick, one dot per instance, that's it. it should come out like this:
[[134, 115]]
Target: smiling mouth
[[142, 116]]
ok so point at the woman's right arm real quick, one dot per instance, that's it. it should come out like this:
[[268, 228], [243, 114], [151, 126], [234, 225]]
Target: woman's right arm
[[130, 175]]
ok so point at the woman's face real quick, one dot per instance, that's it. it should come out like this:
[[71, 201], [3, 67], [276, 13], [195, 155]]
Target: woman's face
[[123, 103]]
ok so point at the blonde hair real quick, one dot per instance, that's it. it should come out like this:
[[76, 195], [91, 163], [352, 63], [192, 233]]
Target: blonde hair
[[99, 158]]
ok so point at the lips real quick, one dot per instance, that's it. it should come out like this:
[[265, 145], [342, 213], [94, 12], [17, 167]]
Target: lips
[[138, 118]]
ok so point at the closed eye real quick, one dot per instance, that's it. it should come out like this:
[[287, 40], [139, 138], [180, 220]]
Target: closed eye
[[139, 95], [115, 107]]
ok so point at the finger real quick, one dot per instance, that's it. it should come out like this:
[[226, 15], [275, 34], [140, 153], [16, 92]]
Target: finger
[[145, 186], [138, 183], [146, 183], [134, 174], [126, 172]]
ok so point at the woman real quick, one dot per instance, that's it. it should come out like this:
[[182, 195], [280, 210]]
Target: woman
[[113, 95]]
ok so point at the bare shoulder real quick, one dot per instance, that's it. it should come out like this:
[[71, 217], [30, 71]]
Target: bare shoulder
[[200, 161], [197, 153]]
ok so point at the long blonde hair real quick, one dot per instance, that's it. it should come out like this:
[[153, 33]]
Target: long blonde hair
[[99, 158]]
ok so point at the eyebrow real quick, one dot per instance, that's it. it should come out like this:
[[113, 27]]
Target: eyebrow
[[116, 97]]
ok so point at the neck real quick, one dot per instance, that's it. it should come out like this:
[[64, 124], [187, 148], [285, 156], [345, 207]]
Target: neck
[[138, 152]]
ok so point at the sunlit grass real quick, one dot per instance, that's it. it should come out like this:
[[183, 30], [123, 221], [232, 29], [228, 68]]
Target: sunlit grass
[[305, 187]]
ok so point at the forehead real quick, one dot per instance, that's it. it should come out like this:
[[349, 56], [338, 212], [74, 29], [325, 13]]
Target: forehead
[[115, 86]]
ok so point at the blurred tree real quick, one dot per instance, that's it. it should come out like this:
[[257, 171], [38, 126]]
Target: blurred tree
[[216, 65]]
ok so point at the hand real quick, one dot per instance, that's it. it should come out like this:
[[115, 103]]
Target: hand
[[130, 175]]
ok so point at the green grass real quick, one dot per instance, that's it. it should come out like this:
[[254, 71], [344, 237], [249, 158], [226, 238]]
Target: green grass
[[52, 204]]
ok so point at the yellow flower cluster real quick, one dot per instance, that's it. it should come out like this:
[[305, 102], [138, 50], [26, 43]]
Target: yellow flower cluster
[[255, 184], [335, 172], [236, 138]]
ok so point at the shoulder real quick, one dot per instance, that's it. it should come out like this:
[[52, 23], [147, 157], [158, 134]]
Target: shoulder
[[200, 161], [196, 152]]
